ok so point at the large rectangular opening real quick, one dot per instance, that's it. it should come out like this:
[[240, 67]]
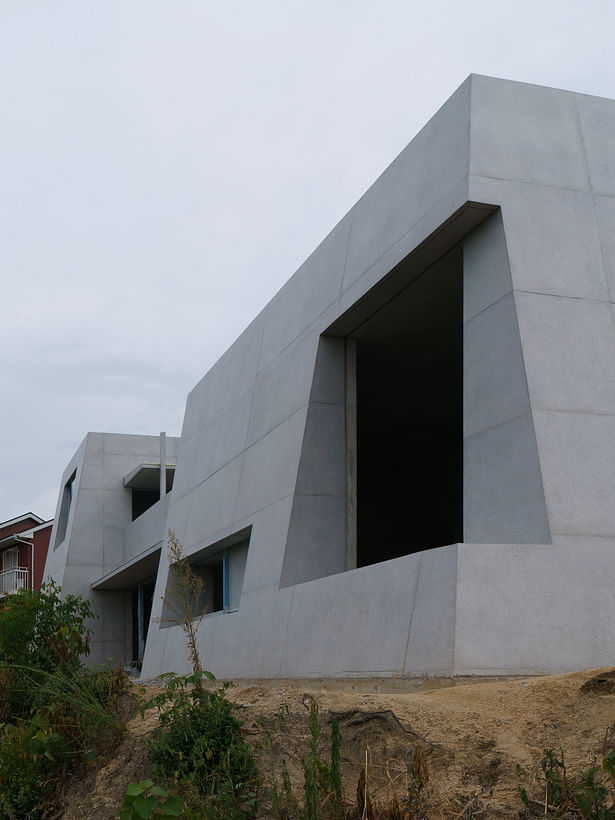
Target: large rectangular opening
[[409, 417]]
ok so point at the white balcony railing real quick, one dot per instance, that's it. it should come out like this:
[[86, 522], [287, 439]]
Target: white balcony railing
[[12, 580]]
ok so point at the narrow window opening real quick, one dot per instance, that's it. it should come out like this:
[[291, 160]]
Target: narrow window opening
[[67, 499]]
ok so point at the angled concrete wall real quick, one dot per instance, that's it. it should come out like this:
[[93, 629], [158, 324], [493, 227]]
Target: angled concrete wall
[[93, 542], [538, 435]]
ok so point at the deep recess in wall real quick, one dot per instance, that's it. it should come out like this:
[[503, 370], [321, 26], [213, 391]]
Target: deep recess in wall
[[67, 500], [409, 418], [221, 567]]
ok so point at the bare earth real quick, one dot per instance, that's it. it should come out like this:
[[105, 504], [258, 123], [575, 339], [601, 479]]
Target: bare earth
[[473, 735]]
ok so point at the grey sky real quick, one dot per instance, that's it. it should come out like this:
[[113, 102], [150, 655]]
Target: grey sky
[[166, 166]]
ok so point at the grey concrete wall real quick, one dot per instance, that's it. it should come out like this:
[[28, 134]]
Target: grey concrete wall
[[502, 484], [148, 530], [100, 512], [256, 415]]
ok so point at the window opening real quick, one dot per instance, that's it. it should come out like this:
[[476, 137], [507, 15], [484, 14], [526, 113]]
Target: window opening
[[67, 500], [222, 572], [409, 405], [142, 597], [142, 500]]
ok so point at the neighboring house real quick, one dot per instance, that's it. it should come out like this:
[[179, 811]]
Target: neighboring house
[[406, 464], [23, 551]]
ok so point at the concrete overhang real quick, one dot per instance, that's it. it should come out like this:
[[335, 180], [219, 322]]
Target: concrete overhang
[[142, 566], [452, 231], [147, 477]]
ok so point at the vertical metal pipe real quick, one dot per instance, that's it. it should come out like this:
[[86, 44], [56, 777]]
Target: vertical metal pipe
[[163, 464]]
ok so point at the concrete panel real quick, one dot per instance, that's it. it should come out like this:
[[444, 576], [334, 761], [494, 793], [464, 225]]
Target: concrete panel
[[267, 544], [88, 506], [211, 506], [231, 375], [314, 287], [605, 216], [117, 507], [570, 347], [352, 624], [321, 470], [113, 547], [77, 579], [503, 492], [423, 174], [526, 133], [431, 644], [486, 272], [216, 444], [147, 530], [316, 544], [176, 654], [524, 609], [494, 382], [552, 238], [125, 444], [250, 642], [282, 387], [356, 286], [91, 477], [577, 455], [328, 381], [177, 515], [597, 120], [269, 467], [110, 604]]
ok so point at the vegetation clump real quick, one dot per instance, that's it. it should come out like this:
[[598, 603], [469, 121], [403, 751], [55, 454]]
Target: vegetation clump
[[197, 745], [56, 715]]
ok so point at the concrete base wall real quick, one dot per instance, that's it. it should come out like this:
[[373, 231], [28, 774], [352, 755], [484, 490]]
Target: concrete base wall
[[468, 609]]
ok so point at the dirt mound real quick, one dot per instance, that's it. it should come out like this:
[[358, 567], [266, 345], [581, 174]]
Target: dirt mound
[[473, 735]]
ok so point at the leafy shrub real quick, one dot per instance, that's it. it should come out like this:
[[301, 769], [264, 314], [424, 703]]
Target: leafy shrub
[[586, 797], [56, 713], [30, 756], [40, 632], [198, 745], [144, 800]]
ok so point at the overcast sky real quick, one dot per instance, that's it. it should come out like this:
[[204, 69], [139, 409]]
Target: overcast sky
[[166, 166]]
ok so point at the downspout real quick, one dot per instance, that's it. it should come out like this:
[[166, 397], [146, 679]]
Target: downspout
[[163, 465]]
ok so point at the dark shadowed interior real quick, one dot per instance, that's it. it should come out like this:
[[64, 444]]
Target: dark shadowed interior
[[409, 418]]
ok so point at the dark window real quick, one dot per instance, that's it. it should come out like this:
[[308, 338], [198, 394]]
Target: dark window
[[67, 498], [142, 500], [409, 418]]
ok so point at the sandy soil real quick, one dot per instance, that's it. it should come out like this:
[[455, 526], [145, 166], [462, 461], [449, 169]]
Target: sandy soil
[[473, 734]]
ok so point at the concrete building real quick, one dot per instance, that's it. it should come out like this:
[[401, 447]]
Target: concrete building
[[406, 464], [108, 533], [24, 541]]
